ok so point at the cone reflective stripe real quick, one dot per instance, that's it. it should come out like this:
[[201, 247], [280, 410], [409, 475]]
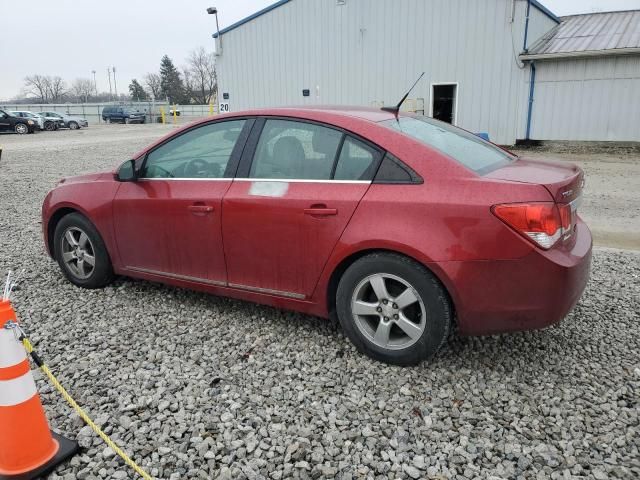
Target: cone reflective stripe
[[26, 443]]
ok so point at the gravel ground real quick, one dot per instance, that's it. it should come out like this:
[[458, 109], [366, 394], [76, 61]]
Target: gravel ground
[[195, 386]]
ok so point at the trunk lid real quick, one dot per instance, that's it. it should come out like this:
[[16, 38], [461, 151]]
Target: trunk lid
[[564, 181]]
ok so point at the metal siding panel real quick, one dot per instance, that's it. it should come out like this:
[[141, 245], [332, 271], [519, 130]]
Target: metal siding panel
[[309, 43], [588, 99]]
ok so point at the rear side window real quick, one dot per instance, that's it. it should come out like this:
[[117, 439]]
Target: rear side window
[[357, 161], [468, 149], [295, 150]]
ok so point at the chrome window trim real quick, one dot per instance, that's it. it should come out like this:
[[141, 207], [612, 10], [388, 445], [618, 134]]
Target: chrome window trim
[[293, 180], [170, 179]]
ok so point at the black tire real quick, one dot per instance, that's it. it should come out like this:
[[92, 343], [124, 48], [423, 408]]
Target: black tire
[[74, 125], [434, 298], [102, 273], [21, 128], [49, 126]]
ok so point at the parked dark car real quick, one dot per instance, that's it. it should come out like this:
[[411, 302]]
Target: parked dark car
[[401, 227], [39, 119], [68, 121], [19, 125], [122, 114]]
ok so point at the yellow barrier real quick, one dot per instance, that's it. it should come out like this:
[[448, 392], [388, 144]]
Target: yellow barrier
[[162, 114], [175, 114]]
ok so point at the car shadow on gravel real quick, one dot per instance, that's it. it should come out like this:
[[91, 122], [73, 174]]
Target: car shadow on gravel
[[491, 352]]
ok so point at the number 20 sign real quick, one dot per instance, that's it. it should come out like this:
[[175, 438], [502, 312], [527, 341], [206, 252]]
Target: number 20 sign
[[224, 107]]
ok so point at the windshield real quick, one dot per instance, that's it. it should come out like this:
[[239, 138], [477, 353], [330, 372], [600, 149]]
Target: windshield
[[467, 148]]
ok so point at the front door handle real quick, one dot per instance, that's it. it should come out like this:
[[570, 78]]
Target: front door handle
[[200, 209], [320, 211]]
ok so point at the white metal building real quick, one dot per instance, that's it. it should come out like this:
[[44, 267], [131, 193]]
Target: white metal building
[[481, 58], [587, 79]]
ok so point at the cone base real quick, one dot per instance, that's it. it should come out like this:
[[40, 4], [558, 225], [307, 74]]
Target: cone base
[[67, 449]]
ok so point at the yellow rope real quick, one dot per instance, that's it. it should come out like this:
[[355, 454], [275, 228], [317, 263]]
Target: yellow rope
[[29, 347]]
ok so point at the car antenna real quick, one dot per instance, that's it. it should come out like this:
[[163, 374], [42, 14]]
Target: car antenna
[[395, 110]]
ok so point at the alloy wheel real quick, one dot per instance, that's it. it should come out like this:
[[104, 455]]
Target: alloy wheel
[[388, 311], [78, 253], [21, 128]]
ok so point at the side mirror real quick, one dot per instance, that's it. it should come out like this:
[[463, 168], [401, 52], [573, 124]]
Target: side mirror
[[127, 172]]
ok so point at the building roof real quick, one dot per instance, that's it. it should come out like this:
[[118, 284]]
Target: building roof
[[593, 34], [534, 3]]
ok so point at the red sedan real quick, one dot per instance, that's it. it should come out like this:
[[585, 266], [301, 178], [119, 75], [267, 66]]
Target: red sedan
[[401, 227]]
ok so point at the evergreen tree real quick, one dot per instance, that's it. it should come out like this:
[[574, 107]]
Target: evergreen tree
[[171, 81], [136, 91]]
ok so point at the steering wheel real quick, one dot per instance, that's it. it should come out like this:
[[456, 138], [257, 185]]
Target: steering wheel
[[199, 168], [166, 173]]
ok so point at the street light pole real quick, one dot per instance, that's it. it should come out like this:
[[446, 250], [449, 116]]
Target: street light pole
[[110, 90], [115, 85], [214, 11], [95, 85]]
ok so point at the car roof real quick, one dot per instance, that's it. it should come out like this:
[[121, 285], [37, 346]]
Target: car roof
[[312, 111], [339, 115]]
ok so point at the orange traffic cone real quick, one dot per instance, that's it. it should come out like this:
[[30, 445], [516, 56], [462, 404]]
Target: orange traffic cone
[[28, 449]]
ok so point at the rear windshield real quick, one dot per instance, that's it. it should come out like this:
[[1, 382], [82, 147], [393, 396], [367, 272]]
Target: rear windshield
[[468, 149]]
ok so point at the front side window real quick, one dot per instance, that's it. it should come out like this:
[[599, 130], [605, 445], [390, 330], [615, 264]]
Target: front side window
[[468, 149], [295, 150], [203, 152]]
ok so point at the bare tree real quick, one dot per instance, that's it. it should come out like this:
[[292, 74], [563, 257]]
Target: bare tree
[[82, 88], [57, 88], [37, 86], [152, 82], [203, 80], [189, 86]]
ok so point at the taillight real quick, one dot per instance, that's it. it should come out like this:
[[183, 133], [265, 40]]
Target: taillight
[[544, 223]]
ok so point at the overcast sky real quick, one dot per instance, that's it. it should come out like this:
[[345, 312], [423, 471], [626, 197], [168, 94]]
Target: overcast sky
[[71, 38]]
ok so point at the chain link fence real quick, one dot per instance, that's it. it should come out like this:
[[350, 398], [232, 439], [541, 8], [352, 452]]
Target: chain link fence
[[92, 112]]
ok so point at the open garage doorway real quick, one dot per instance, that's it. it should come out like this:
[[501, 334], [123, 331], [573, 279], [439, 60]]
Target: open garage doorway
[[444, 102]]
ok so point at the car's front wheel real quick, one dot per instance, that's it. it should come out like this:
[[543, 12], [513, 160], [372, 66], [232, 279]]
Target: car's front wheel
[[81, 252], [126, 121], [21, 128], [74, 125], [393, 309]]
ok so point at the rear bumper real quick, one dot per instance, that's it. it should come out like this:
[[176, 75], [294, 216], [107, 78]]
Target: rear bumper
[[528, 293]]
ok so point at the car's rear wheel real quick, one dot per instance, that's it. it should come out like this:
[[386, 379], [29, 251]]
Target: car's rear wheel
[[393, 309], [49, 126], [108, 120], [81, 252], [21, 128], [74, 125]]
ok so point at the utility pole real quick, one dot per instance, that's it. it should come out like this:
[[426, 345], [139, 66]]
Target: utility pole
[[115, 85], [95, 85], [110, 90]]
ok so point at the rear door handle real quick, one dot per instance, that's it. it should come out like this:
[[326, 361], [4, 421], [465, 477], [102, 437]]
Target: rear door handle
[[201, 209], [322, 211]]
